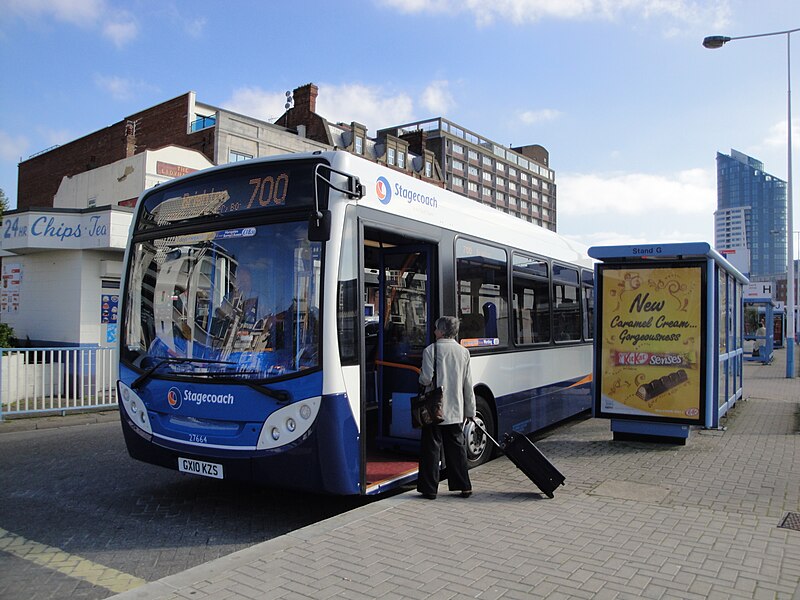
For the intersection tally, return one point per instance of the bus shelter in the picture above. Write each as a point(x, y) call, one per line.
point(668, 350)
point(762, 323)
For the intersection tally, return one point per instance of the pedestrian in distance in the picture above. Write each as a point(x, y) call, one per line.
point(761, 335)
point(453, 375)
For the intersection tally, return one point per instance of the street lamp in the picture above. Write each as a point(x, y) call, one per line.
point(717, 41)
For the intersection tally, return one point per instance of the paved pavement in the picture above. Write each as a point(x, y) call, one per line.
point(634, 520)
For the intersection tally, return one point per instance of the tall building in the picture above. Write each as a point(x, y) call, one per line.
point(517, 181)
point(751, 215)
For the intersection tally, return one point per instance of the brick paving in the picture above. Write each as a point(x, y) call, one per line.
point(634, 520)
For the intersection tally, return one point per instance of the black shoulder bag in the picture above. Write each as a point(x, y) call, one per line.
point(427, 407)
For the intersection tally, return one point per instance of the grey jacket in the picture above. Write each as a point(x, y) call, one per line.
point(452, 373)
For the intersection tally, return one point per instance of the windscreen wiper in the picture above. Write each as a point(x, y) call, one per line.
point(279, 395)
point(174, 360)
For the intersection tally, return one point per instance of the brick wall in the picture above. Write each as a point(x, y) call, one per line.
point(161, 125)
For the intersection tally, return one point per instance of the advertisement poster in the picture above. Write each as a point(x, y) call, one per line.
point(9, 291)
point(109, 307)
point(649, 354)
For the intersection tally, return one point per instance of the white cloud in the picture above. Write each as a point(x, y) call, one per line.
point(121, 29)
point(688, 192)
point(119, 26)
point(372, 106)
point(121, 88)
point(12, 148)
point(78, 12)
point(631, 208)
point(257, 103)
point(532, 117)
point(714, 13)
point(437, 99)
point(195, 27)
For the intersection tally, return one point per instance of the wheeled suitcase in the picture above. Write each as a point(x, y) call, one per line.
point(528, 459)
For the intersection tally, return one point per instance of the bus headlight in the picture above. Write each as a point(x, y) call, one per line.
point(288, 424)
point(135, 408)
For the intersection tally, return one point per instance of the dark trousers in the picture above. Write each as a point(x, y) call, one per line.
point(451, 438)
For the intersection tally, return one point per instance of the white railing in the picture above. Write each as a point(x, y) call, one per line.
point(56, 380)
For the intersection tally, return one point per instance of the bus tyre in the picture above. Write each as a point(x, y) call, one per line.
point(479, 448)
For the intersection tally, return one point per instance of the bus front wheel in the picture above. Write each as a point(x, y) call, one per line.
point(479, 449)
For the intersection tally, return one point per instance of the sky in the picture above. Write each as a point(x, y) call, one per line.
point(630, 106)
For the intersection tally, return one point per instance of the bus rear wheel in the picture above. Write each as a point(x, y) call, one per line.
point(480, 449)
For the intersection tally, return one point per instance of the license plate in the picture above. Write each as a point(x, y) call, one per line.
point(198, 467)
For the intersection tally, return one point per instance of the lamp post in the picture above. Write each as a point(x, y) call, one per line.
point(717, 41)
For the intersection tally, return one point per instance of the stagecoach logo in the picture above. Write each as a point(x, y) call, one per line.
point(174, 398)
point(383, 190)
point(385, 193)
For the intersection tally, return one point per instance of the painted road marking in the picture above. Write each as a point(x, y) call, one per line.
point(68, 564)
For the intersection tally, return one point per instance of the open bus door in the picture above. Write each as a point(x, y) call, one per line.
point(398, 290)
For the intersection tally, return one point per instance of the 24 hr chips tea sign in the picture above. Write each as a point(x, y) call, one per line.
point(651, 325)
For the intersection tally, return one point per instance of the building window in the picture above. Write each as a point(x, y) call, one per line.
point(401, 160)
point(472, 155)
point(428, 168)
point(512, 172)
point(501, 167)
point(512, 186)
point(501, 182)
point(487, 191)
point(473, 171)
point(487, 176)
point(359, 145)
point(487, 161)
point(390, 156)
point(472, 186)
point(235, 156)
point(202, 122)
point(500, 196)
point(523, 176)
point(458, 165)
point(458, 149)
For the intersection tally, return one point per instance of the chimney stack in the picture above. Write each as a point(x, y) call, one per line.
point(305, 97)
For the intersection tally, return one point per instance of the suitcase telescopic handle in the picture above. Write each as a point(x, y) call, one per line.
point(486, 433)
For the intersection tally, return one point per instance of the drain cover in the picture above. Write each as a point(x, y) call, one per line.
point(791, 521)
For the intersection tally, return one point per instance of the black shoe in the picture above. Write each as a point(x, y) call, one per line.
point(466, 493)
point(429, 496)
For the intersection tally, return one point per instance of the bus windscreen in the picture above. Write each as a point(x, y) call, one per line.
point(238, 302)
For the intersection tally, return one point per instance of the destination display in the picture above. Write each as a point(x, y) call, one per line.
point(249, 187)
point(651, 342)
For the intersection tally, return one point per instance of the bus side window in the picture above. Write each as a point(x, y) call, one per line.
point(566, 304)
point(531, 299)
point(482, 284)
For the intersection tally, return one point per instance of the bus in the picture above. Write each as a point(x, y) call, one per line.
point(275, 311)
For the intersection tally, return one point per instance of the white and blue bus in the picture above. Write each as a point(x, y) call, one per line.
point(275, 312)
